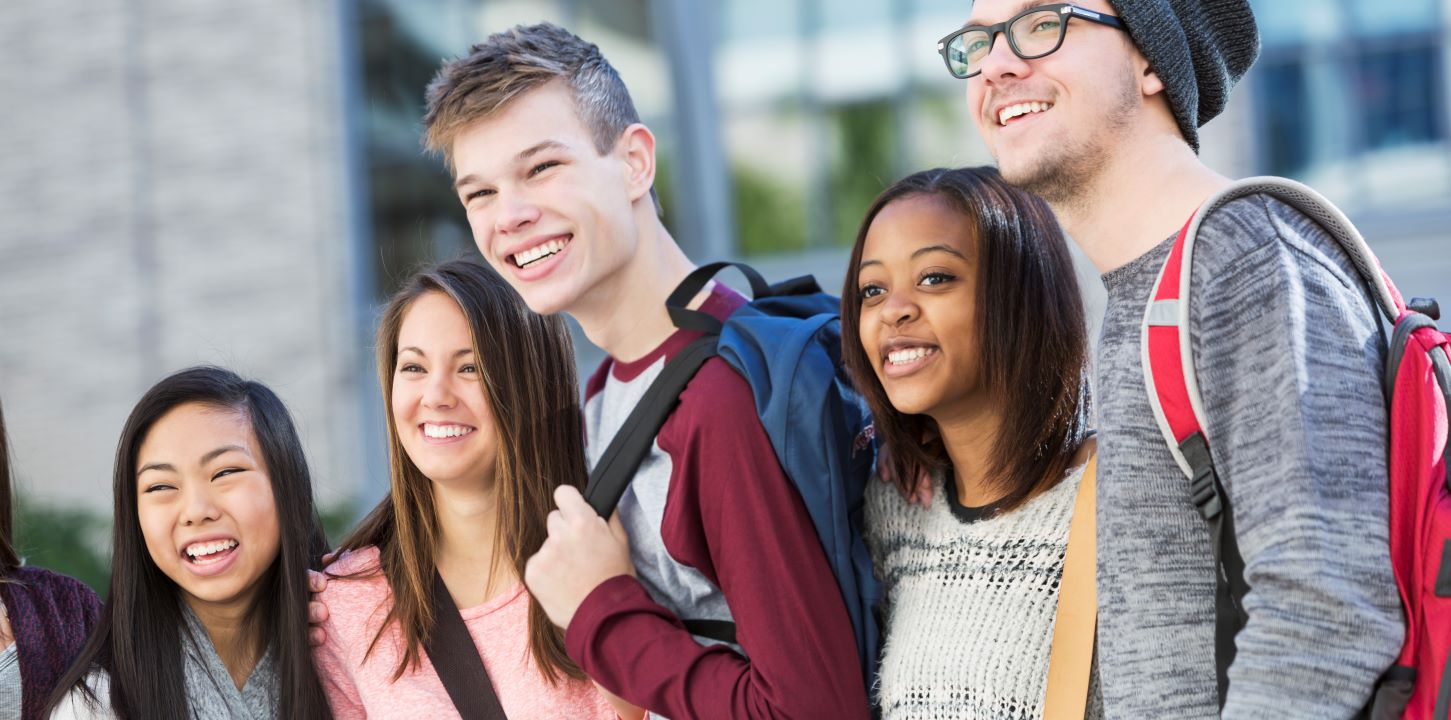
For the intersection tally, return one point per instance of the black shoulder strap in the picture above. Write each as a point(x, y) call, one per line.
point(1229, 584)
point(616, 468)
point(685, 318)
point(457, 661)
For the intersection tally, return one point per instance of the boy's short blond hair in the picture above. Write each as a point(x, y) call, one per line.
point(511, 63)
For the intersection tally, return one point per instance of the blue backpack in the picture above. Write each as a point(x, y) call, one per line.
point(786, 343)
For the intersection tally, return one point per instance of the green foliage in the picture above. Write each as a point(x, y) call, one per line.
point(70, 541)
point(863, 163)
point(770, 215)
point(337, 521)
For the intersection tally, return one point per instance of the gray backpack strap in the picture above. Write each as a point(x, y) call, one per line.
point(1316, 207)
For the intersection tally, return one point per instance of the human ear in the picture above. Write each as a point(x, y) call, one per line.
point(636, 147)
point(1149, 82)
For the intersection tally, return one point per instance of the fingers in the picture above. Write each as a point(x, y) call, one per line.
point(316, 636)
point(555, 524)
point(571, 503)
point(316, 581)
point(617, 528)
point(316, 613)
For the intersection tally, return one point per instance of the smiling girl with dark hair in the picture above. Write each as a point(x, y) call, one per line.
point(963, 327)
point(215, 530)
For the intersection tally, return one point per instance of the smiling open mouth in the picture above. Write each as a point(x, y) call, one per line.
point(907, 356)
point(439, 432)
point(1012, 112)
point(206, 553)
point(540, 252)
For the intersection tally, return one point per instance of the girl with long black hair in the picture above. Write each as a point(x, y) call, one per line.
point(215, 530)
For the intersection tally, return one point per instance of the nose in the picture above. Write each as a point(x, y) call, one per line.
point(1001, 62)
point(514, 214)
point(898, 309)
point(438, 391)
point(199, 504)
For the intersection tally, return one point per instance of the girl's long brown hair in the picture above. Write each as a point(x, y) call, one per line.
point(1030, 330)
point(527, 362)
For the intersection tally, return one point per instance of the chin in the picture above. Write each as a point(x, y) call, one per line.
point(550, 299)
point(909, 403)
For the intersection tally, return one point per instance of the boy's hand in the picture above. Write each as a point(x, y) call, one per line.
point(581, 552)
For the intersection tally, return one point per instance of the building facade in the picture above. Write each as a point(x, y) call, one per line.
point(243, 183)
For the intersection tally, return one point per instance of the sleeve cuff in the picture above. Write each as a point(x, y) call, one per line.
point(607, 598)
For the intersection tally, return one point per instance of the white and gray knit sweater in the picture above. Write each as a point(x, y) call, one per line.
point(969, 604)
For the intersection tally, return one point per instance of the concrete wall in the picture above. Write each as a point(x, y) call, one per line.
point(171, 193)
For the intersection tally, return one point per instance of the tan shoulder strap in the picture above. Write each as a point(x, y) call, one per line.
point(1071, 658)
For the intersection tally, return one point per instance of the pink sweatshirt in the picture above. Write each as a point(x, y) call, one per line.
point(359, 688)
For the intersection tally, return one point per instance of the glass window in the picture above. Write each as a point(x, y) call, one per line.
point(853, 14)
point(1284, 103)
point(1401, 16)
point(1398, 91)
point(752, 21)
point(1288, 22)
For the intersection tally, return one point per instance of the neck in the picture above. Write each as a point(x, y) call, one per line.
point(466, 552)
point(968, 437)
point(231, 634)
point(1111, 226)
point(625, 314)
point(466, 521)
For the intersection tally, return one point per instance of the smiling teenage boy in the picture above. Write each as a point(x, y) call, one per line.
point(1096, 108)
point(555, 172)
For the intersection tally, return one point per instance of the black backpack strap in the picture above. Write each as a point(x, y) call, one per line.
point(457, 661)
point(722, 630)
point(688, 319)
point(617, 466)
point(1229, 585)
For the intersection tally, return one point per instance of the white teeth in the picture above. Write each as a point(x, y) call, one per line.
point(538, 252)
point(1012, 111)
point(902, 357)
point(200, 550)
point(445, 431)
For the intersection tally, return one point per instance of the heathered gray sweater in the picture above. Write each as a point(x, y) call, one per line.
point(1289, 354)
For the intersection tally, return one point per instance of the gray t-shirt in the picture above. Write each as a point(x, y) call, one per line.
point(1289, 353)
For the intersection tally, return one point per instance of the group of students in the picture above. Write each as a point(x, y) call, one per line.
point(962, 328)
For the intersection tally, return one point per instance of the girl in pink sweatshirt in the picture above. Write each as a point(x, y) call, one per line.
point(483, 424)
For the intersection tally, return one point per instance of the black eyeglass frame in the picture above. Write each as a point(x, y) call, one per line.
point(1066, 10)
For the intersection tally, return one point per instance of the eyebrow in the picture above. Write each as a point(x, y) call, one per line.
point(524, 154)
point(937, 248)
point(457, 353)
point(918, 253)
point(210, 456)
point(1020, 8)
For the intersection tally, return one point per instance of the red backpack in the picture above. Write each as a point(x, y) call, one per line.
point(1418, 389)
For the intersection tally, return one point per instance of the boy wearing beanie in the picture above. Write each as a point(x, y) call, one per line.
point(1289, 352)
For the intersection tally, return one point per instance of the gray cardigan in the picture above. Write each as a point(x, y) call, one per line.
point(210, 692)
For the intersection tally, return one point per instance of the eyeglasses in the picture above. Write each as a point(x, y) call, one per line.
point(1032, 34)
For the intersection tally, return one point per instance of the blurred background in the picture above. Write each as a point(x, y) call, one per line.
point(186, 181)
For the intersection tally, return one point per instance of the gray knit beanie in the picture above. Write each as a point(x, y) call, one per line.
point(1198, 48)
